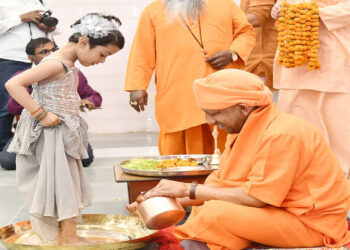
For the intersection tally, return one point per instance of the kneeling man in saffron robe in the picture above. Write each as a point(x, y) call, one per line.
point(278, 182)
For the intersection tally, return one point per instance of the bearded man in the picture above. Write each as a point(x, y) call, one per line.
point(183, 40)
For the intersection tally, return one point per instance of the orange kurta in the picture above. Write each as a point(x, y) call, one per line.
point(286, 163)
point(169, 49)
point(260, 61)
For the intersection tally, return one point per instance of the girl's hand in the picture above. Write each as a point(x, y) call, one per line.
point(50, 120)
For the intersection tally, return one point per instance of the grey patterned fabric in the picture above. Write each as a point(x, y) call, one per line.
point(50, 174)
point(53, 184)
point(61, 98)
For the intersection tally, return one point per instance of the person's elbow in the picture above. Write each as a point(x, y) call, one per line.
point(250, 200)
point(9, 85)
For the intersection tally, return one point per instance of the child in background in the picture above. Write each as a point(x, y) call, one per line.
point(51, 137)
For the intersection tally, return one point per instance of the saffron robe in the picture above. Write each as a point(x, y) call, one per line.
point(261, 59)
point(195, 140)
point(285, 162)
point(169, 48)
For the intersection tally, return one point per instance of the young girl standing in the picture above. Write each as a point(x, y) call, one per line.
point(51, 138)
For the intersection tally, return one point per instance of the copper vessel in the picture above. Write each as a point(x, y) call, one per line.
point(160, 212)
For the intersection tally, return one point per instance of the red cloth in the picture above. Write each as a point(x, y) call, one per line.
point(166, 239)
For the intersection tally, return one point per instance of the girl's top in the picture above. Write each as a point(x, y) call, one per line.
point(61, 98)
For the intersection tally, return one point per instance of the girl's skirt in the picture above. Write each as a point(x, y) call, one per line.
point(53, 184)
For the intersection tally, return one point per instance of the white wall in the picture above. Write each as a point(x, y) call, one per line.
point(116, 115)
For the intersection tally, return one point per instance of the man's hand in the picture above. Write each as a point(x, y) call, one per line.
point(32, 16)
point(35, 17)
point(138, 99)
point(50, 120)
point(220, 59)
point(86, 103)
point(132, 208)
point(276, 9)
point(253, 20)
point(169, 189)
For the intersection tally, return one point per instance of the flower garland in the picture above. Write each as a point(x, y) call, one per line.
point(298, 42)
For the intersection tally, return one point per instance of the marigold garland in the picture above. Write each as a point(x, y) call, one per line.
point(298, 42)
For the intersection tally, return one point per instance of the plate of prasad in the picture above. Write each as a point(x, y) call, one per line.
point(100, 231)
point(168, 165)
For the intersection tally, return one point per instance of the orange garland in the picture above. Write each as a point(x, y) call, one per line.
point(298, 43)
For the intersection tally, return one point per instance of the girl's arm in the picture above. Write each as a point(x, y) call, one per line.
point(17, 87)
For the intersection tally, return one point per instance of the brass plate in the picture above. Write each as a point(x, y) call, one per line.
point(114, 231)
point(203, 167)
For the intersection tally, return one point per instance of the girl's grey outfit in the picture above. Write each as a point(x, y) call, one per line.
point(50, 175)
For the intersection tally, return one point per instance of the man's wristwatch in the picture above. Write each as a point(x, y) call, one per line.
point(234, 55)
point(192, 195)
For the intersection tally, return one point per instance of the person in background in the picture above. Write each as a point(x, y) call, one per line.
point(322, 96)
point(19, 23)
point(37, 49)
point(183, 40)
point(278, 183)
point(260, 61)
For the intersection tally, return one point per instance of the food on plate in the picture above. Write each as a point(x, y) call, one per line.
point(153, 165)
point(179, 162)
point(142, 164)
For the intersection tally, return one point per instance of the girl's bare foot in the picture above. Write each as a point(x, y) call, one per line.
point(68, 234)
point(75, 241)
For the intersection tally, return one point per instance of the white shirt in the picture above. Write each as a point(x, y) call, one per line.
point(14, 34)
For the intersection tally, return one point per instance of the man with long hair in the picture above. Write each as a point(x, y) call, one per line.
point(183, 40)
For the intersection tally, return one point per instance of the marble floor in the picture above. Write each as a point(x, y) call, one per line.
point(110, 197)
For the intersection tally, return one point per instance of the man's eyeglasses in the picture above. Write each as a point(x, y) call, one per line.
point(46, 51)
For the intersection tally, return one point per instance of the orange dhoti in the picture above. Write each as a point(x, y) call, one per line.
point(328, 112)
point(195, 140)
point(226, 225)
